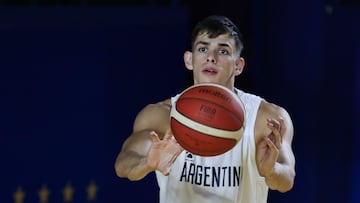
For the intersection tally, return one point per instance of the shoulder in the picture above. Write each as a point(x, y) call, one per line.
point(269, 110)
point(159, 107)
point(153, 116)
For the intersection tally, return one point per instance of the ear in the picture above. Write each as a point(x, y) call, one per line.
point(239, 66)
point(188, 60)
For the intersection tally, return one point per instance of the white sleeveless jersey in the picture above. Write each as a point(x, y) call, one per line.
point(229, 177)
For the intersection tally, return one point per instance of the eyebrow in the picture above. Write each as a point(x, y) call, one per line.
point(201, 42)
point(207, 43)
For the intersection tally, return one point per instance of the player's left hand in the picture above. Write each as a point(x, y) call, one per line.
point(269, 147)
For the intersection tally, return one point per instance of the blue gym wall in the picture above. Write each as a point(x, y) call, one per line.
point(73, 79)
point(306, 59)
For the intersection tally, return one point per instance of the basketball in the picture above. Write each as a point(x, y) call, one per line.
point(207, 119)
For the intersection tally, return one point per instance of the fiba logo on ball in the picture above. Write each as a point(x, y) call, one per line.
point(207, 112)
point(207, 119)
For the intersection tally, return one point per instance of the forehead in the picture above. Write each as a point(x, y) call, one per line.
point(220, 39)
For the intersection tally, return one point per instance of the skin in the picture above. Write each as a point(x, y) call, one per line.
point(151, 146)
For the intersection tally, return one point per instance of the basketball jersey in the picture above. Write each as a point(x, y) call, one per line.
point(231, 177)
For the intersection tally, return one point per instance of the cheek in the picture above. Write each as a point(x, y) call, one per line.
point(229, 68)
point(228, 65)
point(198, 57)
point(197, 62)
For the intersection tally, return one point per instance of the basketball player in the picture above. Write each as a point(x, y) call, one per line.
point(262, 159)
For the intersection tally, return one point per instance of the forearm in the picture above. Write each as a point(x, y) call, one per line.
point(281, 178)
point(132, 166)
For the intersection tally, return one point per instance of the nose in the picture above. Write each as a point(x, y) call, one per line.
point(211, 58)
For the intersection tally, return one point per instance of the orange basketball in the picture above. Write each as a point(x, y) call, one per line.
point(207, 119)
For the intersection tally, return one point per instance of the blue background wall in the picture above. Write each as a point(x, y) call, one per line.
point(73, 79)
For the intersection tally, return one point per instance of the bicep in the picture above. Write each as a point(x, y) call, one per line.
point(154, 117)
point(268, 110)
point(286, 153)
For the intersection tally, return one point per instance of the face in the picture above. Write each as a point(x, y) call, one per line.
point(214, 60)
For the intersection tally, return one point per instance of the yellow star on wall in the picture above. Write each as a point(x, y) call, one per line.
point(44, 193)
point(68, 193)
point(19, 195)
point(91, 191)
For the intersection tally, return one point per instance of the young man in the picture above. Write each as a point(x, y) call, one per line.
point(262, 159)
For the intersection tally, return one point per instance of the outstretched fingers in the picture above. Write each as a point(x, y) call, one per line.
point(154, 137)
point(164, 151)
point(168, 135)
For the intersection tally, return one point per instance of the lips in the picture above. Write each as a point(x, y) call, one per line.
point(210, 70)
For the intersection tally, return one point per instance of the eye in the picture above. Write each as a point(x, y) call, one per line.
point(202, 49)
point(224, 51)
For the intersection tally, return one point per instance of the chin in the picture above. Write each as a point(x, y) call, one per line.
point(207, 80)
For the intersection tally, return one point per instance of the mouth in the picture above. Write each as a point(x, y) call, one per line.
point(210, 71)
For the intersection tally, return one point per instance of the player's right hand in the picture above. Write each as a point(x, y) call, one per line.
point(163, 152)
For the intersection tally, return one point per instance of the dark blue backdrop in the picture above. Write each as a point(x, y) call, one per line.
point(307, 57)
point(73, 79)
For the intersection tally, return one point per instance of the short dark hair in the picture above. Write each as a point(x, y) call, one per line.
point(216, 25)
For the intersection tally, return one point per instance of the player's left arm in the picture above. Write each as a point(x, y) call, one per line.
point(275, 158)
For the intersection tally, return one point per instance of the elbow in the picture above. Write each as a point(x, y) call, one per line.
point(124, 171)
point(289, 184)
point(286, 188)
point(284, 184)
point(120, 171)
point(132, 166)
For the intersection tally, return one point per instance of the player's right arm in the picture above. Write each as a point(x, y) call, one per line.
point(148, 147)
